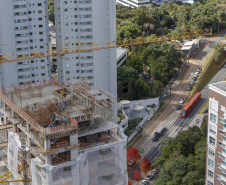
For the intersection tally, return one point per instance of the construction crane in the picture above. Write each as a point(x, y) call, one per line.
point(83, 48)
point(101, 45)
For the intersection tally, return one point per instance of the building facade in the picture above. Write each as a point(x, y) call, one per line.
point(69, 135)
point(216, 143)
point(84, 22)
point(24, 24)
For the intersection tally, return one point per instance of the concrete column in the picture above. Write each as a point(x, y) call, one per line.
point(74, 151)
point(47, 144)
point(28, 142)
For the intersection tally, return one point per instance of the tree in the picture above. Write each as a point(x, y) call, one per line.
point(133, 155)
point(135, 62)
point(145, 165)
point(142, 88)
point(51, 10)
point(124, 74)
point(130, 182)
point(136, 175)
point(131, 89)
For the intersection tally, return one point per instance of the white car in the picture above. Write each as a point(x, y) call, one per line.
point(144, 182)
point(197, 73)
point(192, 82)
point(181, 101)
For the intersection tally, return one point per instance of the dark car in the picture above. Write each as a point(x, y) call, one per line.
point(205, 111)
point(194, 78)
point(150, 176)
point(189, 87)
point(145, 75)
point(178, 107)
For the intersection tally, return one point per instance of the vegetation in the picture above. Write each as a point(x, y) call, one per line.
point(183, 158)
point(130, 182)
point(136, 175)
point(51, 11)
point(133, 155)
point(160, 61)
point(145, 165)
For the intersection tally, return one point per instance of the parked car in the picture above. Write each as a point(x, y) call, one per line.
point(205, 111)
point(178, 107)
point(198, 70)
point(195, 75)
point(181, 101)
point(154, 171)
point(189, 87)
point(131, 163)
point(145, 75)
point(150, 176)
point(144, 182)
point(194, 78)
point(192, 82)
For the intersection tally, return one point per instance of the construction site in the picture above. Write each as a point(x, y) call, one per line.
point(60, 135)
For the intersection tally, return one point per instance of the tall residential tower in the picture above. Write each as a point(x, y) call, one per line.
point(24, 24)
point(216, 140)
point(83, 22)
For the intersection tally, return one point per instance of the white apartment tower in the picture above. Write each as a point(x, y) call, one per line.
point(83, 22)
point(24, 24)
point(216, 139)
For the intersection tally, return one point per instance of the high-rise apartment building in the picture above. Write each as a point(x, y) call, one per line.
point(23, 24)
point(216, 141)
point(83, 22)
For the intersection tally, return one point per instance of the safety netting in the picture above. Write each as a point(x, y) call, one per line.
point(103, 165)
point(12, 156)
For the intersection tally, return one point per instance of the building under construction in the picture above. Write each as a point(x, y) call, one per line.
point(57, 135)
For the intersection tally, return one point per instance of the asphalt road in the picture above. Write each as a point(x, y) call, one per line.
point(184, 122)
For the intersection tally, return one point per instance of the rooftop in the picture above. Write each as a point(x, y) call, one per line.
point(219, 87)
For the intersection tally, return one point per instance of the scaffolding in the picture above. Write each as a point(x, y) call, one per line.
point(64, 128)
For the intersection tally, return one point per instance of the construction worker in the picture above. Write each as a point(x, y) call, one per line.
point(35, 105)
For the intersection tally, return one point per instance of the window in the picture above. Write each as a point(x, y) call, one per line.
point(219, 166)
point(67, 72)
point(42, 74)
point(40, 11)
point(42, 67)
point(213, 105)
point(223, 120)
point(210, 162)
point(211, 152)
point(39, 4)
point(210, 173)
point(67, 65)
point(40, 18)
point(213, 117)
point(209, 183)
point(40, 33)
point(211, 140)
point(213, 129)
